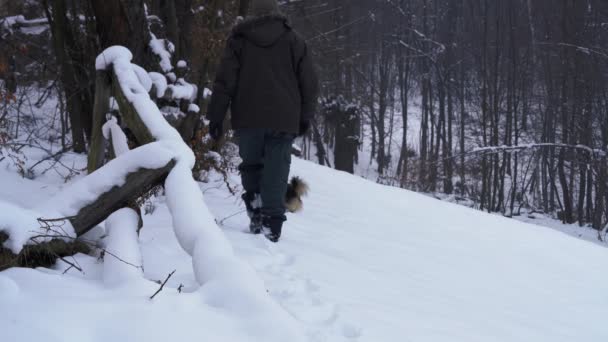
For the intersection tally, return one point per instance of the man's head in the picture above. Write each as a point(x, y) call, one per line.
point(264, 7)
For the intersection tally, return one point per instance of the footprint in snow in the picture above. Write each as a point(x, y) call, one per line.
point(301, 297)
point(350, 331)
point(286, 260)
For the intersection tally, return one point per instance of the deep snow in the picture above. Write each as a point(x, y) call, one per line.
point(363, 262)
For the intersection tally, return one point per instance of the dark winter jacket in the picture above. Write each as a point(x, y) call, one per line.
point(267, 76)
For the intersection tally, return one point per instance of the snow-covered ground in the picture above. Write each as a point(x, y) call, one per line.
point(363, 262)
point(586, 233)
point(368, 169)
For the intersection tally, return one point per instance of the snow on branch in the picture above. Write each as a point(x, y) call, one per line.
point(119, 59)
point(582, 49)
point(517, 148)
point(194, 108)
point(440, 47)
point(163, 49)
point(113, 133)
point(144, 78)
point(182, 90)
point(85, 191)
point(596, 154)
point(111, 54)
point(159, 84)
point(18, 22)
point(421, 53)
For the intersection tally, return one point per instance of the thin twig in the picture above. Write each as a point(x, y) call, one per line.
point(72, 264)
point(105, 251)
point(67, 269)
point(64, 235)
point(162, 285)
point(221, 222)
point(62, 219)
point(53, 156)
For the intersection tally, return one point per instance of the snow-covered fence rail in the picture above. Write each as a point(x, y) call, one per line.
point(118, 195)
point(226, 281)
point(120, 182)
point(122, 227)
point(37, 237)
point(116, 185)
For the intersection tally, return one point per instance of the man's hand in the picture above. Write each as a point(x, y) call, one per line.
point(304, 128)
point(216, 130)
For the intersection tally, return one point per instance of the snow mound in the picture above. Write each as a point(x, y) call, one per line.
point(122, 240)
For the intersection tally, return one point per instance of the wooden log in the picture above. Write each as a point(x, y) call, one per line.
point(100, 109)
point(45, 254)
point(39, 255)
point(136, 185)
point(119, 146)
point(130, 116)
point(189, 124)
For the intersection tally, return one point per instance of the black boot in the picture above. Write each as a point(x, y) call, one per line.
point(273, 227)
point(253, 203)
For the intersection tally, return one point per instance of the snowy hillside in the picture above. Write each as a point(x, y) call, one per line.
point(363, 262)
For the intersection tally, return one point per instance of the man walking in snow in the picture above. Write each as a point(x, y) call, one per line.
point(266, 76)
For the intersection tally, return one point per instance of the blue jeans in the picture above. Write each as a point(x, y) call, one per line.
point(265, 168)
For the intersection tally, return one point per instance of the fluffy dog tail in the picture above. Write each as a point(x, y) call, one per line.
point(296, 189)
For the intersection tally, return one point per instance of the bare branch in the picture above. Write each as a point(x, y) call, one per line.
point(163, 285)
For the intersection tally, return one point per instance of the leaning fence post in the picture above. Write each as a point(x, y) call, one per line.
point(101, 107)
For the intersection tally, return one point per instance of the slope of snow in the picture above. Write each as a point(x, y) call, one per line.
point(375, 263)
point(363, 262)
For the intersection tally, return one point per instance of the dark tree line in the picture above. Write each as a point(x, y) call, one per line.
point(471, 80)
point(504, 103)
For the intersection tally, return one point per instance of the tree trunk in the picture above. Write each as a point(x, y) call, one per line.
point(404, 75)
point(124, 23)
point(243, 8)
point(101, 108)
point(567, 214)
point(58, 22)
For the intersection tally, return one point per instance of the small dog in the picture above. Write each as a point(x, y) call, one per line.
point(296, 189)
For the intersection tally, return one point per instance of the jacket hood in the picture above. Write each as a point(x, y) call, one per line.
point(263, 31)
